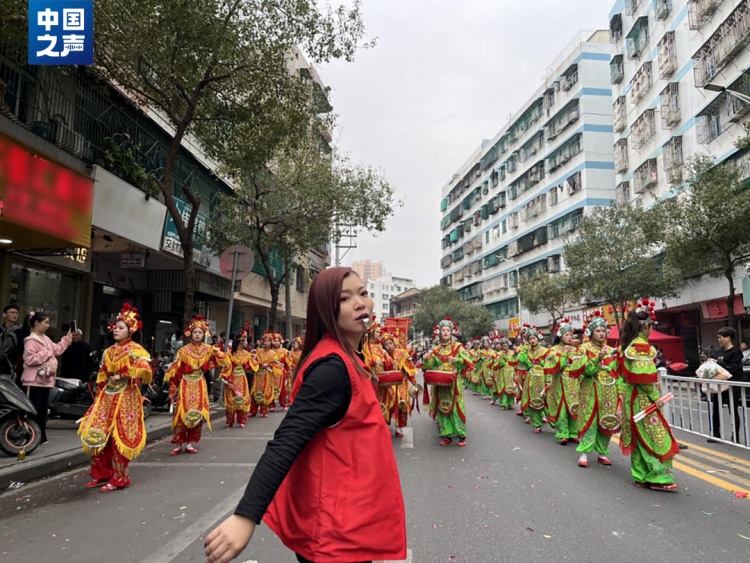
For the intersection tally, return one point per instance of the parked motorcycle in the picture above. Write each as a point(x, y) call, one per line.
point(69, 399)
point(18, 431)
point(157, 392)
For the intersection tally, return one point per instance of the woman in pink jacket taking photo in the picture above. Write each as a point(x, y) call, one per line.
point(40, 366)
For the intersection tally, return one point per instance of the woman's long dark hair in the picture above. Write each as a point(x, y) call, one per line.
point(323, 308)
point(29, 322)
point(630, 328)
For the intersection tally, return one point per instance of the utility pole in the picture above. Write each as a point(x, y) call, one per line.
point(347, 241)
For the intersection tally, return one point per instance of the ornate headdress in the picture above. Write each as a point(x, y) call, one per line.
point(267, 335)
point(532, 331)
point(277, 336)
point(563, 326)
point(198, 322)
point(129, 315)
point(485, 339)
point(646, 306)
point(449, 323)
point(385, 335)
point(245, 332)
point(595, 321)
point(298, 340)
point(503, 340)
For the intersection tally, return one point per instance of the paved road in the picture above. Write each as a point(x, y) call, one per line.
point(510, 495)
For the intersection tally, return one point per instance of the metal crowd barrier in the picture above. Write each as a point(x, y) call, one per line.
point(693, 411)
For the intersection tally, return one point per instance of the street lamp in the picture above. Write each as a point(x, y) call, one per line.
point(716, 88)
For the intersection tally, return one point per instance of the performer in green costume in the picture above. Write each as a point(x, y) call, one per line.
point(597, 411)
point(650, 442)
point(532, 359)
point(505, 375)
point(473, 372)
point(485, 368)
point(562, 398)
point(447, 402)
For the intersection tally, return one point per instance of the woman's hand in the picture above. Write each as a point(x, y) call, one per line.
point(659, 403)
point(228, 540)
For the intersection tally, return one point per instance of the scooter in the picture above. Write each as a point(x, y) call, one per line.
point(157, 392)
point(18, 431)
point(69, 399)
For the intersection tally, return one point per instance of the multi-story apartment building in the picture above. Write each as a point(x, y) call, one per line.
point(669, 58)
point(383, 289)
point(368, 270)
point(507, 211)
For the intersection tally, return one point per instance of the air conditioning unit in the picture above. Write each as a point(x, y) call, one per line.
point(69, 140)
point(485, 191)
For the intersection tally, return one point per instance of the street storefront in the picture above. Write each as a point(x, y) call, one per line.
point(45, 230)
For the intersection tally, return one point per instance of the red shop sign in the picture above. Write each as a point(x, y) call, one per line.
point(43, 196)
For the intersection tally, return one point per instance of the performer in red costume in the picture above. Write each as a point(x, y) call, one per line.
point(186, 379)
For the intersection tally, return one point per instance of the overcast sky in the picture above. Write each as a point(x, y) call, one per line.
point(444, 75)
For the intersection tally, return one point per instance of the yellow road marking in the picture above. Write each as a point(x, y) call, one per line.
point(704, 467)
point(716, 454)
point(721, 483)
point(708, 478)
point(713, 459)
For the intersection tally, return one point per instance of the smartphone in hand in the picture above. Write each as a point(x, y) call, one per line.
point(73, 326)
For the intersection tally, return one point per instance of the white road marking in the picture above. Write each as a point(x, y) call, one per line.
point(190, 534)
point(407, 560)
point(408, 440)
point(187, 464)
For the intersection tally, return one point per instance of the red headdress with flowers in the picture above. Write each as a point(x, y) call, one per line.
point(129, 315)
point(649, 307)
point(267, 335)
point(198, 322)
point(245, 332)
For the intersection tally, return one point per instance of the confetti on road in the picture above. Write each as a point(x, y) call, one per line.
point(707, 513)
point(546, 536)
point(740, 494)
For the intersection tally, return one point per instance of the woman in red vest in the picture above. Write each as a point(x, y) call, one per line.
point(305, 487)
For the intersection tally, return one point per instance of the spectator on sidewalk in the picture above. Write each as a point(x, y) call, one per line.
point(10, 340)
point(730, 358)
point(75, 363)
point(745, 350)
point(40, 366)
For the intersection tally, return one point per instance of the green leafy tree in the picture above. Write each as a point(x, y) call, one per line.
point(706, 228)
point(615, 257)
point(439, 302)
point(219, 69)
point(297, 203)
point(549, 293)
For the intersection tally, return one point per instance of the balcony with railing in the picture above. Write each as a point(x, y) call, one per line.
point(724, 44)
point(645, 176)
point(615, 28)
point(671, 114)
point(700, 12)
point(569, 78)
point(631, 7)
point(563, 119)
point(90, 119)
point(621, 156)
point(616, 69)
point(667, 56)
point(637, 39)
point(622, 193)
point(725, 110)
point(662, 8)
point(673, 160)
point(563, 154)
point(641, 83)
point(644, 128)
point(620, 114)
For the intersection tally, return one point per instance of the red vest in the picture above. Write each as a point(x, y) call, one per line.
point(341, 501)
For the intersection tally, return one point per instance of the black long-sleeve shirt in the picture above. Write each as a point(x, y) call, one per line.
point(731, 360)
point(322, 401)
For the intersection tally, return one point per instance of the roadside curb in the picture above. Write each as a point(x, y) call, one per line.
point(35, 468)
